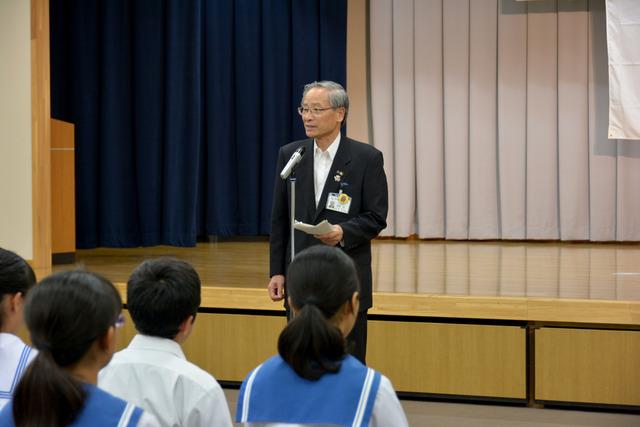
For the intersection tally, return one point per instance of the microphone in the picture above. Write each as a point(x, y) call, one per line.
point(292, 163)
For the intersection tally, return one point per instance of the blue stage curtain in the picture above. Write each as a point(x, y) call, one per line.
point(181, 106)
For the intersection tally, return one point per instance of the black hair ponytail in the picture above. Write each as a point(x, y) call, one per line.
point(310, 344)
point(319, 281)
point(47, 395)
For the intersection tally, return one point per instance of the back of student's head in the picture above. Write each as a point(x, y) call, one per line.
point(66, 313)
point(161, 294)
point(16, 276)
point(320, 280)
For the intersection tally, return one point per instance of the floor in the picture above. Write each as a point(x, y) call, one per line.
point(588, 271)
point(439, 414)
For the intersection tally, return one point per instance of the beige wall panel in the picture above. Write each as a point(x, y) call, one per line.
point(357, 82)
point(228, 346)
point(587, 366)
point(15, 121)
point(473, 360)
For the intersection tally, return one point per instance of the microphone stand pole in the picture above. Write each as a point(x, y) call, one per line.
point(292, 180)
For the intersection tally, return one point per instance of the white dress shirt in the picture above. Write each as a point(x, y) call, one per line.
point(387, 410)
point(15, 356)
point(154, 374)
point(322, 161)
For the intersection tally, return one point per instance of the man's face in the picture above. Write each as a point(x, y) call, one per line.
point(325, 123)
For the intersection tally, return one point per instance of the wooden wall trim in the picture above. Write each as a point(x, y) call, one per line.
point(63, 201)
point(41, 133)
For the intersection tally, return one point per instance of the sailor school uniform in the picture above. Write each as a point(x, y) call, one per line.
point(345, 398)
point(15, 356)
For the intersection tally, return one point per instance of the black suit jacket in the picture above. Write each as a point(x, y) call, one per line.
point(362, 178)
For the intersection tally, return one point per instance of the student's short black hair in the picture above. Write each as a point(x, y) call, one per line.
point(161, 294)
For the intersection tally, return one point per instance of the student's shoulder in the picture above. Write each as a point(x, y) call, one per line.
point(98, 396)
point(272, 364)
point(6, 415)
point(198, 376)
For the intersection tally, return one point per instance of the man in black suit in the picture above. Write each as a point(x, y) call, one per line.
point(338, 179)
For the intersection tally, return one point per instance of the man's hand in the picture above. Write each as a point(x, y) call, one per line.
point(276, 287)
point(332, 238)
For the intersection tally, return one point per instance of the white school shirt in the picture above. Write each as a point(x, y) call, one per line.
point(153, 373)
point(322, 161)
point(15, 356)
point(387, 410)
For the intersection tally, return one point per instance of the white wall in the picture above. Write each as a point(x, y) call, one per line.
point(16, 230)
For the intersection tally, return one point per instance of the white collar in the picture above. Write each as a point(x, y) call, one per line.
point(146, 342)
point(9, 339)
point(332, 150)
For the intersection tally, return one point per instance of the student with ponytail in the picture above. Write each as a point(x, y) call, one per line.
point(72, 318)
point(314, 380)
point(16, 278)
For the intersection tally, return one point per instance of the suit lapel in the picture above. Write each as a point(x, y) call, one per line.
point(340, 162)
point(304, 183)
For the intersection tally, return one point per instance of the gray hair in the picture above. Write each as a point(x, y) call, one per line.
point(337, 95)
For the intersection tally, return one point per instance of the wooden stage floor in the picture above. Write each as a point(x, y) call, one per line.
point(500, 280)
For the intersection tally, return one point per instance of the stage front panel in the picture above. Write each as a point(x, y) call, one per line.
point(228, 346)
point(455, 359)
point(587, 366)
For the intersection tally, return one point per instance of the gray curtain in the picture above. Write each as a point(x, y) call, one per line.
point(492, 116)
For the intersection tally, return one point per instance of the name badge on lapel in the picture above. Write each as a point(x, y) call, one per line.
point(339, 202)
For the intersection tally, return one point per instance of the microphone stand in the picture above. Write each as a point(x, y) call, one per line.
point(292, 180)
point(290, 169)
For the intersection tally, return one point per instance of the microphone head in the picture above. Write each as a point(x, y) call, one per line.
point(291, 164)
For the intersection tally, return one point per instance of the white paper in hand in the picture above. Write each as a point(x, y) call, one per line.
point(321, 228)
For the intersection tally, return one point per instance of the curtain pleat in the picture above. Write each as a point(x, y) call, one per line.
point(455, 40)
point(429, 149)
point(382, 113)
point(573, 119)
point(483, 177)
